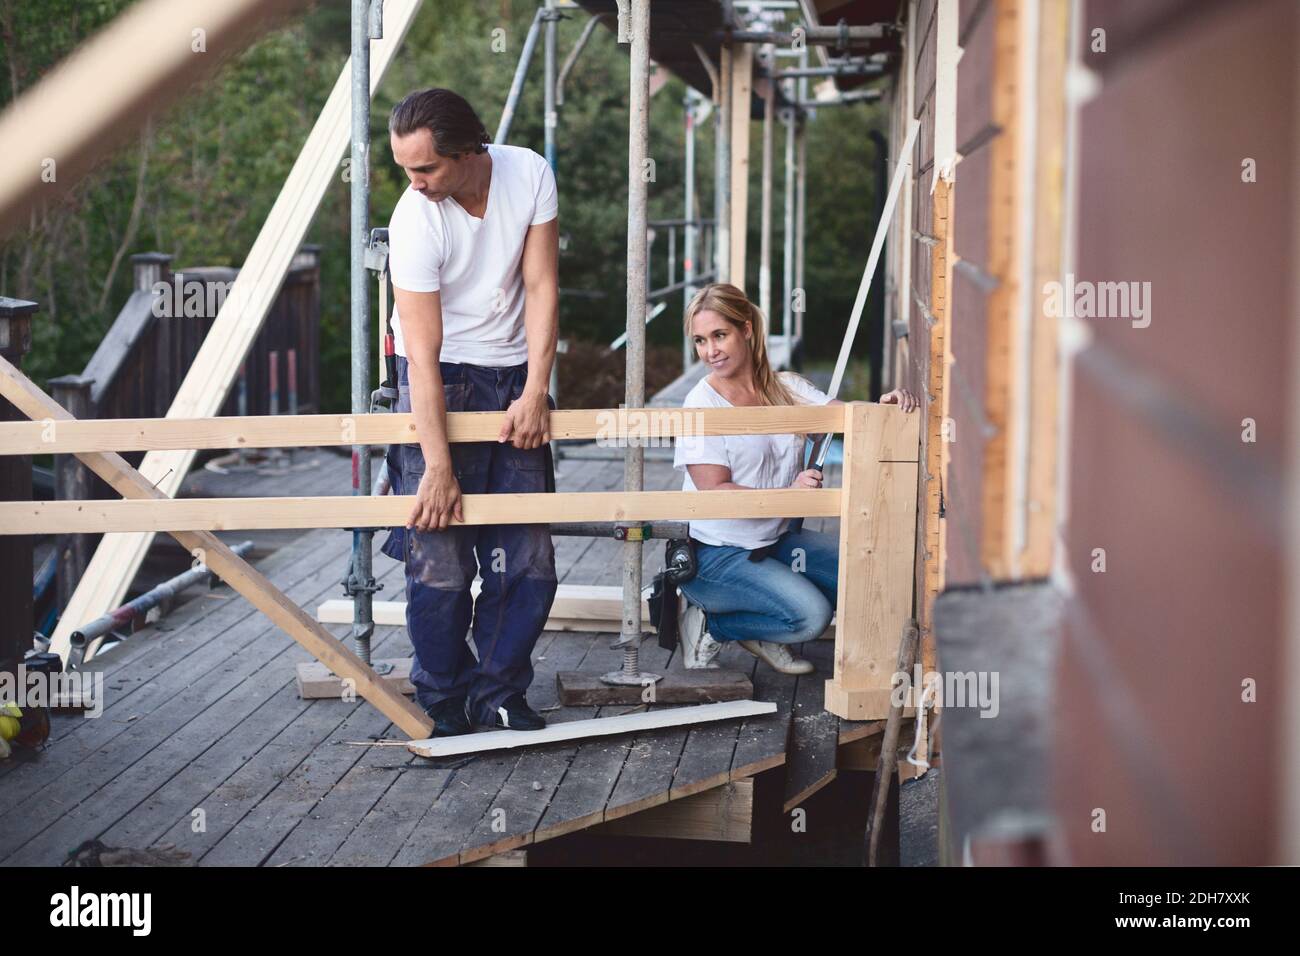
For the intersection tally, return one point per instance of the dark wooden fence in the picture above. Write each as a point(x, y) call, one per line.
point(145, 355)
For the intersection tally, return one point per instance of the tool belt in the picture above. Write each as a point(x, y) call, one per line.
point(679, 565)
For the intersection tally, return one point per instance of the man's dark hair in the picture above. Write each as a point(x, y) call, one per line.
point(455, 126)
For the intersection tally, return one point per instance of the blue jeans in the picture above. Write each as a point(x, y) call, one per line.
point(517, 562)
point(788, 597)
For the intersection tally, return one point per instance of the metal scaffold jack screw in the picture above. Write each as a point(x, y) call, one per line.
point(356, 584)
point(631, 675)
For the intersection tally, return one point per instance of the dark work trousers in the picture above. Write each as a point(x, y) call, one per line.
point(517, 562)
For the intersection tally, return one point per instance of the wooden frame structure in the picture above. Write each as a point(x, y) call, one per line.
point(236, 572)
point(876, 508)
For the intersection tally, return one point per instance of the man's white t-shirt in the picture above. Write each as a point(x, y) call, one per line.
point(474, 263)
point(756, 461)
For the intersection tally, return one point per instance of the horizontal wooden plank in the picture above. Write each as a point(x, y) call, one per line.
point(573, 602)
point(679, 686)
point(230, 514)
point(580, 729)
point(318, 682)
point(285, 431)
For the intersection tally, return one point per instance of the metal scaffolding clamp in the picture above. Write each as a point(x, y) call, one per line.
point(377, 250)
point(353, 583)
point(842, 44)
point(383, 398)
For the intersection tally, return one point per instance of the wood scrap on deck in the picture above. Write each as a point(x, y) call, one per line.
point(578, 729)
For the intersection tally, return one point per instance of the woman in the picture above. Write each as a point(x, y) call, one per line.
point(759, 581)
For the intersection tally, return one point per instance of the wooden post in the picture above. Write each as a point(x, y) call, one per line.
point(151, 268)
point(742, 83)
point(71, 483)
point(877, 549)
point(15, 485)
point(307, 309)
point(932, 557)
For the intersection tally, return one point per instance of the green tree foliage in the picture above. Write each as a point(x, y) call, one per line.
point(200, 181)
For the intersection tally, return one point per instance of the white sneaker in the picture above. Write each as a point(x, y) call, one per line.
point(699, 650)
point(779, 656)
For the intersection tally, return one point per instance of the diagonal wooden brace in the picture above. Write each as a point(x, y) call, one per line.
point(232, 569)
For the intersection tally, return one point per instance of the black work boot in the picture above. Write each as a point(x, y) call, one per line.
point(449, 717)
point(515, 714)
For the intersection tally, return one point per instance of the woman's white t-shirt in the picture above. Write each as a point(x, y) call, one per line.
point(474, 263)
point(756, 461)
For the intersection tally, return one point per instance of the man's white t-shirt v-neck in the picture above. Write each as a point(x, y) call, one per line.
point(474, 263)
point(756, 461)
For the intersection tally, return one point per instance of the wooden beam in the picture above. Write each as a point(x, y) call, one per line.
point(512, 858)
point(340, 511)
point(574, 603)
point(851, 731)
point(232, 569)
point(864, 755)
point(860, 754)
point(934, 474)
point(240, 318)
point(393, 614)
point(110, 86)
point(317, 682)
point(724, 814)
point(288, 431)
point(877, 554)
point(679, 686)
point(583, 729)
point(1003, 385)
point(742, 85)
point(1048, 194)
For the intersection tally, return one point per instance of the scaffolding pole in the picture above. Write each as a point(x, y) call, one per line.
point(787, 232)
point(800, 197)
point(360, 581)
point(722, 169)
point(688, 261)
point(765, 209)
point(549, 83)
point(637, 273)
point(517, 83)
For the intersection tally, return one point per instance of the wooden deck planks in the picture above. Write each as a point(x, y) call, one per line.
point(761, 741)
point(117, 778)
point(814, 732)
point(709, 750)
point(646, 778)
point(130, 728)
point(513, 816)
point(278, 786)
point(193, 786)
point(325, 830)
point(143, 657)
point(387, 827)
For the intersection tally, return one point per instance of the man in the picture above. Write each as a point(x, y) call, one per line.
point(474, 249)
